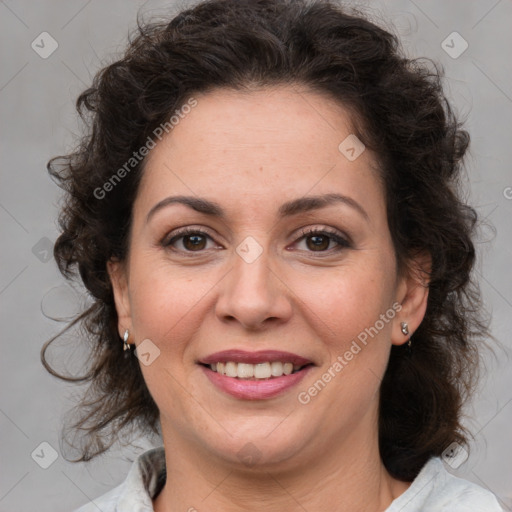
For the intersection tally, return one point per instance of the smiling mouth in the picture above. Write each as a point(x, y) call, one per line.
point(260, 371)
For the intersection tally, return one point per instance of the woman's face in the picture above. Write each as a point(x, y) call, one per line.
point(277, 258)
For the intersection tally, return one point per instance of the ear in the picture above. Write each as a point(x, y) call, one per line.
point(412, 294)
point(119, 279)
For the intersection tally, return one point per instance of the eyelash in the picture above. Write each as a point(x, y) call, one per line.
point(343, 243)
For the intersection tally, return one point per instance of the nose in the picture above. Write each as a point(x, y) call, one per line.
point(253, 295)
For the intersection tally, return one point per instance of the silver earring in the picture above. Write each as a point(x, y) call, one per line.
point(405, 331)
point(126, 345)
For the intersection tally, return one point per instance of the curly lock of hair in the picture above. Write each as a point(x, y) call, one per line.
point(399, 111)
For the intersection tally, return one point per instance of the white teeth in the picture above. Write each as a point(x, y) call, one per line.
point(256, 371)
point(231, 369)
point(276, 368)
point(245, 371)
point(262, 371)
point(287, 368)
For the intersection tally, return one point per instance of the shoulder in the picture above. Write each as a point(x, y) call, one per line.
point(437, 490)
point(106, 503)
point(144, 481)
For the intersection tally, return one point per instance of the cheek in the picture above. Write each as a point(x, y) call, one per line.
point(164, 302)
point(165, 305)
point(344, 302)
point(345, 310)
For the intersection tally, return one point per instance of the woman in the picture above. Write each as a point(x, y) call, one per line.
point(266, 213)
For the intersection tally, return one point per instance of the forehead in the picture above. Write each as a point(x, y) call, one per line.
point(264, 118)
point(276, 142)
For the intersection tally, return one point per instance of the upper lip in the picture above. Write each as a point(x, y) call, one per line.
point(261, 356)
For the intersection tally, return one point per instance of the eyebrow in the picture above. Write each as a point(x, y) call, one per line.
point(294, 207)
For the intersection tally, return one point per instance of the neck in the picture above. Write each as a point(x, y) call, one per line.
point(346, 477)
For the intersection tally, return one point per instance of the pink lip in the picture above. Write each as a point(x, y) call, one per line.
point(246, 389)
point(262, 356)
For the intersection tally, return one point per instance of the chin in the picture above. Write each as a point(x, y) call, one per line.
point(262, 447)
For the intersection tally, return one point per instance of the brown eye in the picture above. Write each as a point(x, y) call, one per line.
point(189, 240)
point(194, 242)
point(318, 242)
point(322, 241)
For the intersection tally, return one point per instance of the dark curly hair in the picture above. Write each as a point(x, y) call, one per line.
point(399, 111)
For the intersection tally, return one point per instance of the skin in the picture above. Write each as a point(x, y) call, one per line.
point(250, 152)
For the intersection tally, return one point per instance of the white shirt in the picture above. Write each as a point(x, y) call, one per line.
point(433, 490)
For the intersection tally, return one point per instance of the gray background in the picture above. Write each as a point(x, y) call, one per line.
point(38, 121)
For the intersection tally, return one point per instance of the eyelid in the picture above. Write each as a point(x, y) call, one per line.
point(187, 230)
point(343, 240)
